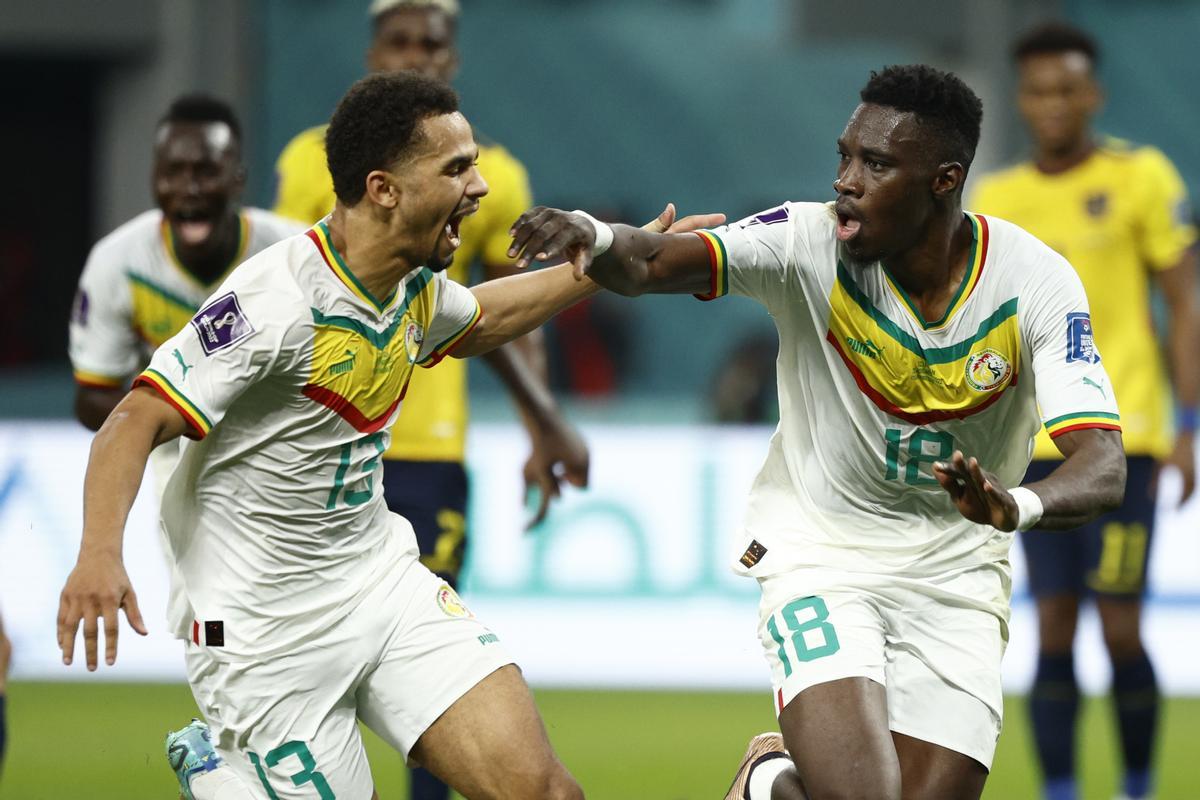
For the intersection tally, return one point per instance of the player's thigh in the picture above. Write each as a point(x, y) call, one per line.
point(491, 743)
point(943, 674)
point(287, 725)
point(826, 650)
point(1118, 544)
point(837, 735)
point(446, 694)
point(432, 496)
point(932, 772)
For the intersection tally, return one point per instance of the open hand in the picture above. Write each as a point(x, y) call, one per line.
point(977, 494)
point(95, 589)
point(550, 234)
point(558, 454)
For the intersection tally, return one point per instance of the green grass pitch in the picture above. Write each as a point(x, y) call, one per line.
point(102, 741)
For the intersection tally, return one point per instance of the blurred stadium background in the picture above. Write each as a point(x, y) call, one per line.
point(620, 607)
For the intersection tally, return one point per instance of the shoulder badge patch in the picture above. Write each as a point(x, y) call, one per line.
point(79, 309)
point(1081, 345)
point(221, 324)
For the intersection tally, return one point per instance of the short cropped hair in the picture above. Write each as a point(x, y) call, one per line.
point(1053, 38)
point(377, 123)
point(202, 108)
point(940, 100)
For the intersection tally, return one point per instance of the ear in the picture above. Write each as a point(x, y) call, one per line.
point(948, 178)
point(382, 189)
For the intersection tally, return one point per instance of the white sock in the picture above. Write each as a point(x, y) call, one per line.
point(762, 777)
point(220, 784)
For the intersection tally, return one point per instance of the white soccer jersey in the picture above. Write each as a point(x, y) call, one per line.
point(871, 394)
point(134, 293)
point(290, 376)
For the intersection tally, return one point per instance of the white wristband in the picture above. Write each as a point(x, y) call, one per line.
point(1029, 507)
point(604, 233)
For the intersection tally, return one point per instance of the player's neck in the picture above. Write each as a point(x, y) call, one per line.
point(368, 250)
point(1053, 161)
point(931, 271)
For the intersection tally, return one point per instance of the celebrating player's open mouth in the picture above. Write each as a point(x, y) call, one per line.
point(191, 226)
point(848, 221)
point(451, 229)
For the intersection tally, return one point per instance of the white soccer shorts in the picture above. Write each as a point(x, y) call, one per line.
point(288, 725)
point(934, 644)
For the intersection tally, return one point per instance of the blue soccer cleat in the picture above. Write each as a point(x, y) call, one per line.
point(190, 751)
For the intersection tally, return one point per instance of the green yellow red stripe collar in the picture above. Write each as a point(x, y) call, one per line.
point(168, 240)
point(970, 279)
point(319, 233)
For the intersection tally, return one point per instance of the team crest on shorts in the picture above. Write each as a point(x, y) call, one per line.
point(449, 601)
point(987, 370)
point(414, 337)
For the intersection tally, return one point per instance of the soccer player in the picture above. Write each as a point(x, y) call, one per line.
point(307, 608)
point(1119, 213)
point(917, 343)
point(424, 475)
point(144, 281)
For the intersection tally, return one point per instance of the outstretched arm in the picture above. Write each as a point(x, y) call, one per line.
point(659, 262)
point(1090, 482)
point(638, 261)
point(98, 585)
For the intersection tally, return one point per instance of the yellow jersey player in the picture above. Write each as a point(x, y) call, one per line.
point(918, 346)
point(425, 479)
point(1119, 213)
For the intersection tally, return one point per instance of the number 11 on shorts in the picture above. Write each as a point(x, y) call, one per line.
point(812, 635)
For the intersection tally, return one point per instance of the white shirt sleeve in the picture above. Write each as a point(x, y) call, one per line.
point(1073, 390)
point(103, 346)
point(456, 313)
point(752, 257)
point(235, 340)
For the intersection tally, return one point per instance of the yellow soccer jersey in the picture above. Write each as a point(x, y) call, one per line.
point(1117, 217)
point(433, 421)
point(134, 293)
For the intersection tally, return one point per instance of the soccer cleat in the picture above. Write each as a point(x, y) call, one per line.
point(190, 751)
point(762, 747)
